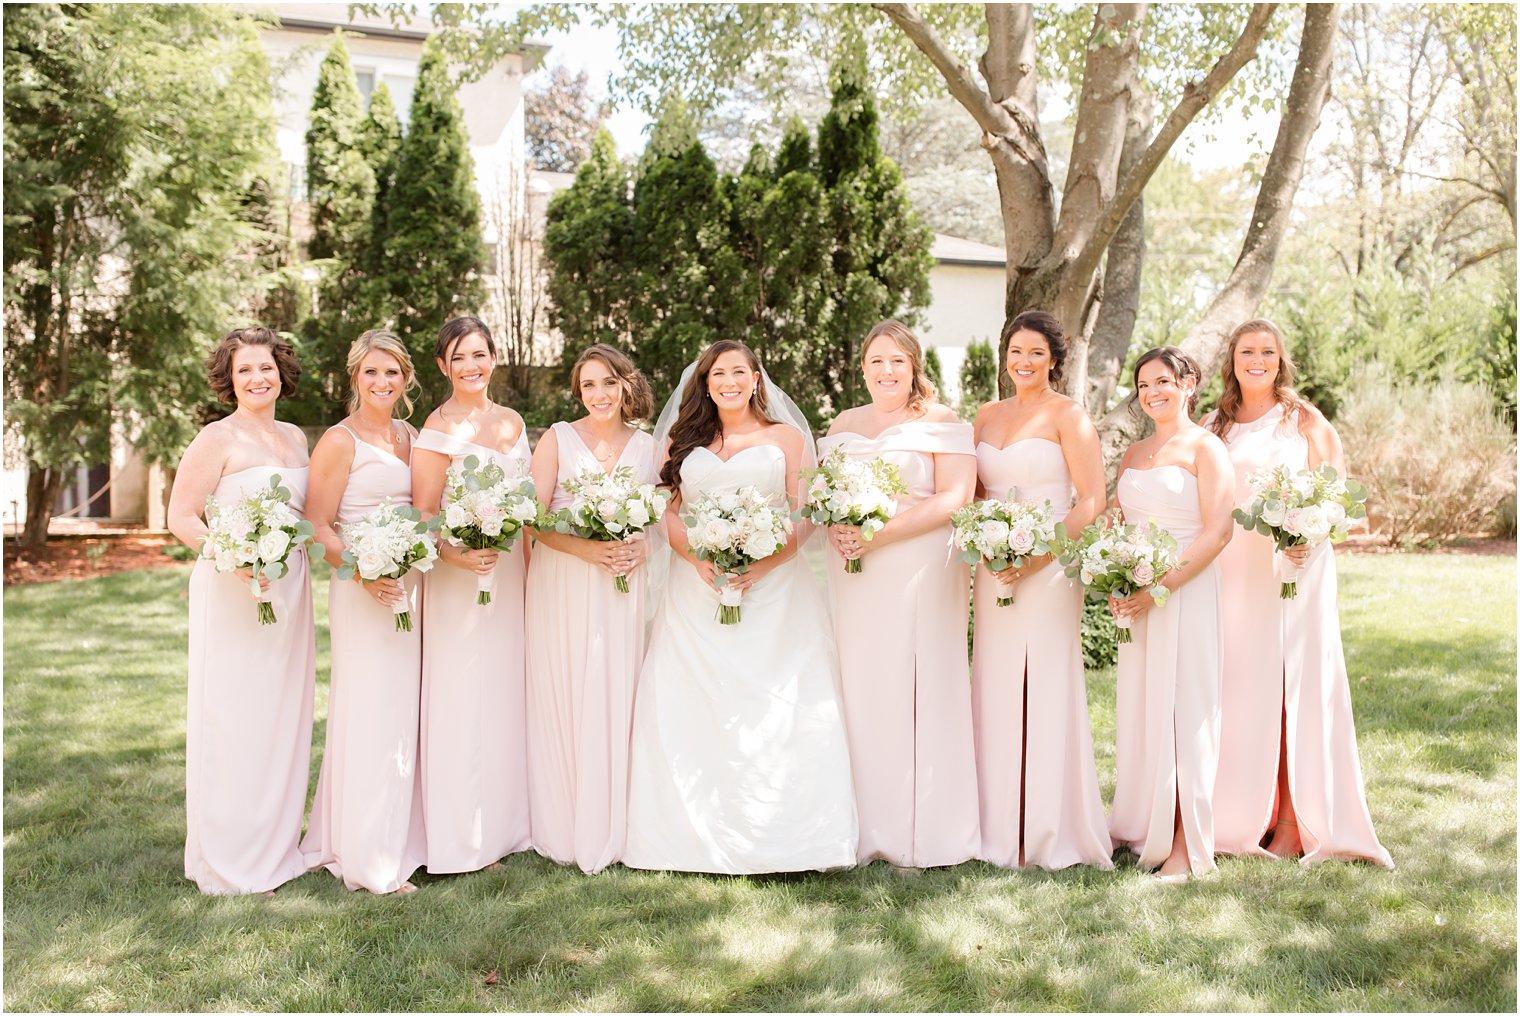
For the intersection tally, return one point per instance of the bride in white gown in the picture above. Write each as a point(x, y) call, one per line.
point(739, 761)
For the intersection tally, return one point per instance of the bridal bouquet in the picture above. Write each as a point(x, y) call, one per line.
point(484, 509)
point(386, 544)
point(852, 492)
point(1120, 561)
point(259, 533)
point(1005, 534)
point(1306, 506)
point(609, 508)
point(733, 530)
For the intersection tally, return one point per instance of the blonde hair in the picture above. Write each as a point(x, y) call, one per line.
point(921, 390)
point(378, 339)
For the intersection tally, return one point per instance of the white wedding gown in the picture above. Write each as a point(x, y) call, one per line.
point(739, 761)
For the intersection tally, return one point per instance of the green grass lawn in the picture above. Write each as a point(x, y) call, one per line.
point(99, 916)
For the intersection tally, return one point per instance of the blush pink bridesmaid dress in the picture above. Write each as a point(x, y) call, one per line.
point(1167, 739)
point(248, 721)
point(474, 759)
point(1034, 753)
point(1284, 663)
point(366, 818)
point(900, 625)
point(585, 645)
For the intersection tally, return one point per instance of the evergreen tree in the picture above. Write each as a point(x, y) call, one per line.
point(433, 248)
point(340, 186)
point(880, 250)
point(978, 377)
point(380, 143)
point(588, 237)
point(935, 370)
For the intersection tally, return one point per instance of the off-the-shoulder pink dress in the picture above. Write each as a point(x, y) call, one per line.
point(1283, 663)
point(248, 721)
point(366, 819)
point(900, 625)
point(1039, 783)
point(1168, 710)
point(585, 645)
point(474, 759)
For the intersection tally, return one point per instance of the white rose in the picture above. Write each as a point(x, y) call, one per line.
point(524, 511)
point(273, 545)
point(1335, 515)
point(1313, 524)
point(371, 564)
point(1273, 513)
point(607, 509)
point(455, 516)
point(760, 545)
point(638, 515)
point(728, 502)
point(993, 533)
point(716, 534)
point(1021, 540)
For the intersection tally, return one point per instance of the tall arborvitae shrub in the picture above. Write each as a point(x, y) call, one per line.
point(433, 250)
point(978, 377)
point(380, 143)
point(936, 371)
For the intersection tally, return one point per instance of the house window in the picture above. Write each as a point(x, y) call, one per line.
point(366, 79)
point(401, 95)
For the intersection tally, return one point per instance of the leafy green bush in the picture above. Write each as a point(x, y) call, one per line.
point(1100, 637)
point(978, 377)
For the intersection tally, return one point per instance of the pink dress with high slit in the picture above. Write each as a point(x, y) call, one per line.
point(248, 721)
point(1284, 663)
point(900, 625)
point(585, 644)
point(1034, 753)
point(474, 760)
point(366, 818)
point(1167, 739)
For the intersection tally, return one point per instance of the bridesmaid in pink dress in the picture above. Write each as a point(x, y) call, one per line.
point(1168, 708)
point(248, 721)
point(1040, 803)
point(586, 639)
point(900, 623)
point(1288, 760)
point(474, 761)
point(366, 819)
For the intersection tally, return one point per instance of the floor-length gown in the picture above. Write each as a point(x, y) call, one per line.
point(248, 717)
point(366, 818)
point(474, 759)
point(900, 626)
point(1167, 741)
point(1039, 783)
point(585, 645)
point(1283, 663)
point(739, 761)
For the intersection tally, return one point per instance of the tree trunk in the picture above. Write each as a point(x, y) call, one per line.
point(42, 487)
point(1248, 281)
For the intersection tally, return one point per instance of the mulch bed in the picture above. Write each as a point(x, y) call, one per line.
point(88, 557)
point(84, 557)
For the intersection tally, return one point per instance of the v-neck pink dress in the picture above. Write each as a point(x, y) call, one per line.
point(474, 759)
point(900, 624)
point(248, 721)
point(1284, 663)
point(366, 819)
point(1034, 752)
point(585, 645)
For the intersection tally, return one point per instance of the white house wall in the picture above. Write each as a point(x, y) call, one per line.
point(965, 304)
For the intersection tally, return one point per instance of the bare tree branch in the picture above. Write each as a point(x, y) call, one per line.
point(990, 116)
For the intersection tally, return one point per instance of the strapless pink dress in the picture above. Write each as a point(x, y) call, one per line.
point(248, 721)
point(1168, 703)
point(900, 625)
point(1039, 783)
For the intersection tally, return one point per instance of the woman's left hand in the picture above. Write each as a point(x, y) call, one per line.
point(635, 551)
point(848, 541)
point(1132, 606)
point(1298, 554)
point(757, 571)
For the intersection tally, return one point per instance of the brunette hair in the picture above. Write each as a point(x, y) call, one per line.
point(921, 391)
point(697, 420)
point(456, 329)
point(1282, 386)
point(1175, 360)
point(638, 400)
point(385, 342)
point(1044, 323)
point(219, 361)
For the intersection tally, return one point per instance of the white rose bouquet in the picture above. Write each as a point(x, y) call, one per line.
point(1005, 534)
point(733, 531)
point(259, 533)
point(854, 492)
point(1120, 561)
point(485, 509)
point(386, 544)
point(609, 508)
point(1303, 507)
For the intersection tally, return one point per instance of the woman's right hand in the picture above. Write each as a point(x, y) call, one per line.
point(478, 561)
point(246, 574)
point(613, 557)
point(387, 592)
point(708, 572)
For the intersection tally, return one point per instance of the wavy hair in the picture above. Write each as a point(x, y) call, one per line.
point(457, 329)
point(638, 400)
point(385, 342)
point(1175, 360)
point(697, 422)
point(1282, 385)
point(922, 390)
point(219, 361)
point(1046, 324)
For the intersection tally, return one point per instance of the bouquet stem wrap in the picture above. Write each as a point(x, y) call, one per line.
point(1288, 574)
point(729, 600)
point(266, 609)
point(403, 612)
